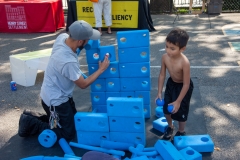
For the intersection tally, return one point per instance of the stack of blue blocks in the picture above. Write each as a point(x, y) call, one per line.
point(127, 77)
point(126, 120)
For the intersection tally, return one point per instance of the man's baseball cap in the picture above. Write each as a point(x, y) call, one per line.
point(81, 30)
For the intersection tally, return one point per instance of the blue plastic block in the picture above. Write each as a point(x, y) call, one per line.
point(115, 145)
point(111, 53)
point(147, 111)
point(200, 143)
point(98, 98)
point(65, 147)
point(135, 138)
point(134, 55)
point(125, 107)
point(88, 121)
point(111, 72)
point(145, 95)
point(112, 84)
point(159, 111)
point(160, 124)
point(128, 94)
point(58, 158)
point(135, 38)
point(135, 84)
point(126, 124)
point(112, 94)
point(100, 108)
point(92, 138)
point(134, 69)
point(167, 150)
point(158, 157)
point(47, 138)
point(190, 154)
point(93, 56)
point(99, 85)
point(92, 44)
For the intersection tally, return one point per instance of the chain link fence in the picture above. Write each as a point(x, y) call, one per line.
point(166, 6)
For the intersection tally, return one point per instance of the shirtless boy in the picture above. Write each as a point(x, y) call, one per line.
point(179, 85)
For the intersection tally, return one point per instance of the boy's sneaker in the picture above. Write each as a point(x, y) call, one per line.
point(168, 134)
point(180, 133)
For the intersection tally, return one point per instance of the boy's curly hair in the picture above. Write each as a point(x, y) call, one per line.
point(178, 37)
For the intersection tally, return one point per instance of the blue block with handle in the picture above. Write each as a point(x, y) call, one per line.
point(127, 137)
point(112, 84)
point(110, 51)
point(98, 98)
point(131, 39)
point(145, 95)
point(134, 69)
point(93, 56)
point(91, 138)
point(200, 143)
point(134, 55)
point(167, 150)
point(126, 124)
point(135, 84)
point(89, 121)
point(111, 72)
point(125, 107)
point(99, 85)
point(190, 154)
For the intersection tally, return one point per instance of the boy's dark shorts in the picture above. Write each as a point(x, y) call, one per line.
point(172, 92)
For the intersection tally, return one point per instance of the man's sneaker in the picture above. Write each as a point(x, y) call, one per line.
point(180, 133)
point(40, 116)
point(168, 134)
point(23, 128)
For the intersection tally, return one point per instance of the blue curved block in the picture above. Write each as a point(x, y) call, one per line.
point(200, 143)
point(190, 154)
point(134, 69)
point(47, 138)
point(93, 56)
point(99, 85)
point(65, 147)
point(131, 39)
point(134, 55)
point(107, 49)
point(167, 150)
